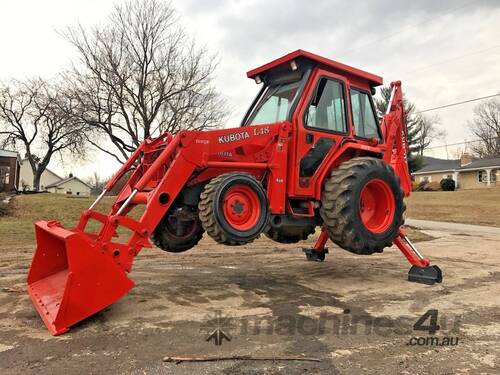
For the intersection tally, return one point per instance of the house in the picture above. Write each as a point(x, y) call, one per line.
point(48, 177)
point(70, 186)
point(468, 173)
point(51, 182)
point(10, 166)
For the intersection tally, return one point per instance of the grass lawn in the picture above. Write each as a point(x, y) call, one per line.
point(19, 229)
point(480, 207)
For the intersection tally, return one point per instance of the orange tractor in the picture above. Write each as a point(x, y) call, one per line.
point(310, 152)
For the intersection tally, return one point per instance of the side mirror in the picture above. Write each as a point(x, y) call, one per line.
point(373, 91)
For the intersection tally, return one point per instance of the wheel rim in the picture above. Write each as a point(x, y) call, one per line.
point(376, 206)
point(241, 207)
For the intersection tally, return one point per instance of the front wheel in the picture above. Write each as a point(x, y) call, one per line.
point(233, 208)
point(362, 205)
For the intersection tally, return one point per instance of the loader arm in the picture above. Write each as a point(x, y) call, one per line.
point(161, 169)
point(76, 273)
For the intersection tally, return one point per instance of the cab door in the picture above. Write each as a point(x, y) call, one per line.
point(321, 122)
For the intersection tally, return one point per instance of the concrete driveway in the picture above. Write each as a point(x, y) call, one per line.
point(356, 314)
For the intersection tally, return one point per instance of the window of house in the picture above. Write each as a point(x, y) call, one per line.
point(327, 109)
point(494, 175)
point(4, 175)
point(363, 116)
point(425, 179)
point(482, 176)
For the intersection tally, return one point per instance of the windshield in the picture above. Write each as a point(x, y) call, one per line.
point(275, 104)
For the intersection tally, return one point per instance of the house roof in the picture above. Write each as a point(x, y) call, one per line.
point(372, 78)
point(443, 165)
point(10, 154)
point(52, 172)
point(482, 163)
point(435, 164)
point(64, 180)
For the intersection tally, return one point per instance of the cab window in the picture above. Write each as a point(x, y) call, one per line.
point(363, 116)
point(275, 104)
point(327, 109)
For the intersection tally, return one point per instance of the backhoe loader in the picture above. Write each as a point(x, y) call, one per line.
point(310, 153)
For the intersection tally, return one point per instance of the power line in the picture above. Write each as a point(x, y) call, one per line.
point(459, 143)
point(458, 103)
point(397, 32)
point(452, 59)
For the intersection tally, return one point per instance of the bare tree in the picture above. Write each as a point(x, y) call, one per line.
point(486, 126)
point(427, 131)
point(96, 183)
point(34, 116)
point(139, 76)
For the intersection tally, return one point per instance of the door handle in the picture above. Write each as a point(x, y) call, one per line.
point(309, 138)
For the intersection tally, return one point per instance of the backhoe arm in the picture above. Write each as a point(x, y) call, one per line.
point(396, 154)
point(395, 136)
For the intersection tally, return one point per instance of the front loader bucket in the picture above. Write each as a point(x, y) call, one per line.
point(71, 277)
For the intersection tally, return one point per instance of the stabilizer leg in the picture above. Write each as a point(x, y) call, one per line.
point(421, 270)
point(318, 252)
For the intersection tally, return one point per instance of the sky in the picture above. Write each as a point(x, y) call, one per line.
point(443, 51)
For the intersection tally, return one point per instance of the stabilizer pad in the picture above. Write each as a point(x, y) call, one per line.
point(425, 275)
point(314, 255)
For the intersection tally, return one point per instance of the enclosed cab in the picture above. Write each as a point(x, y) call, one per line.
point(327, 103)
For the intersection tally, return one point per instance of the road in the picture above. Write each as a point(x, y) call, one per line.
point(453, 227)
point(355, 313)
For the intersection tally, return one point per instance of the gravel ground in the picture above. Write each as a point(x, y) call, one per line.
point(356, 314)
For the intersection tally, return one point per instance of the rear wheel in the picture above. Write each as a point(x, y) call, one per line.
point(178, 231)
point(233, 208)
point(362, 205)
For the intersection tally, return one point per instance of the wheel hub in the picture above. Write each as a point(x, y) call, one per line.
point(241, 207)
point(238, 207)
point(376, 206)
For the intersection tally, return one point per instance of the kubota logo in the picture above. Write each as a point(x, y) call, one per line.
point(234, 137)
point(243, 135)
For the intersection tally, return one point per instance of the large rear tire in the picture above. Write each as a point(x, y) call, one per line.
point(233, 208)
point(362, 205)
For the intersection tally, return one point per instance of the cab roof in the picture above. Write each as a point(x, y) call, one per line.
point(335, 66)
